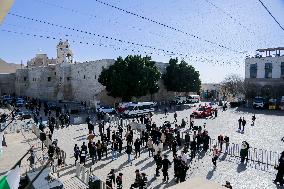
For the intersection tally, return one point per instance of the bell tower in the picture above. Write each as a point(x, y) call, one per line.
point(64, 54)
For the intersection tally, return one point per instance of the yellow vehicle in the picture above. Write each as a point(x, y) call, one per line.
point(272, 104)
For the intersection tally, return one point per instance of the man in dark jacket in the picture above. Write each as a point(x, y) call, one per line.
point(166, 163)
point(280, 170)
point(159, 161)
point(137, 145)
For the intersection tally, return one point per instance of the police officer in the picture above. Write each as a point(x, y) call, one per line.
point(110, 179)
point(119, 181)
point(158, 160)
point(166, 163)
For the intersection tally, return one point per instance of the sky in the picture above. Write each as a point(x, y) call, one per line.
point(241, 26)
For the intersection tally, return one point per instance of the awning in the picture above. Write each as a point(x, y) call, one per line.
point(197, 183)
point(5, 6)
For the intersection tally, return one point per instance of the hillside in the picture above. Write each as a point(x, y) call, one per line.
point(8, 67)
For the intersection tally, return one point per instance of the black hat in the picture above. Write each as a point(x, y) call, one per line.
point(143, 174)
point(120, 174)
point(137, 170)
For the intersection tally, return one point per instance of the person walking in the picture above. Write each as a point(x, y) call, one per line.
point(150, 147)
point(128, 152)
point(91, 151)
point(244, 151)
point(110, 179)
point(175, 116)
point(119, 181)
point(253, 118)
point(166, 163)
point(215, 155)
point(114, 149)
point(99, 149)
point(137, 145)
point(240, 123)
point(244, 122)
point(158, 160)
point(227, 142)
point(221, 141)
point(184, 167)
point(280, 170)
point(76, 153)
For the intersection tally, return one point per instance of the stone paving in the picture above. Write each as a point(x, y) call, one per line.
point(252, 175)
point(266, 134)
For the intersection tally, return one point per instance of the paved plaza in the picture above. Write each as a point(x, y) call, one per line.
point(265, 134)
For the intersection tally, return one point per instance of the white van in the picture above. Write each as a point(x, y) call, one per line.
point(180, 99)
point(139, 108)
point(193, 99)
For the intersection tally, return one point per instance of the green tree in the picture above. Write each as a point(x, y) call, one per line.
point(134, 76)
point(181, 77)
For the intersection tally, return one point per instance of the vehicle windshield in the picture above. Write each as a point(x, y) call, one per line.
point(258, 100)
point(201, 109)
point(130, 108)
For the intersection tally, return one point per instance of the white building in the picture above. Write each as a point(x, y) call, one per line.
point(265, 72)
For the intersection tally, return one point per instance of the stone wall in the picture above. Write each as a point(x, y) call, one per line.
point(7, 83)
point(76, 82)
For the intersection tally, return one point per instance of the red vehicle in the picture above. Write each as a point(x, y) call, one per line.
point(203, 111)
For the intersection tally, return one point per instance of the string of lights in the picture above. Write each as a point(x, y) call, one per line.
point(230, 16)
point(271, 15)
point(109, 46)
point(169, 27)
point(109, 21)
point(118, 40)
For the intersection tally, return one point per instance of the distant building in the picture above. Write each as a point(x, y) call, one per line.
point(62, 79)
point(264, 73)
point(210, 91)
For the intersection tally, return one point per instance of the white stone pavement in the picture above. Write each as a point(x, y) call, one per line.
point(266, 134)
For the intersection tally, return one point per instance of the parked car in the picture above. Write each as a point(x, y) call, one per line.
point(107, 109)
point(181, 99)
point(51, 106)
point(193, 99)
point(203, 111)
point(258, 102)
point(24, 114)
point(20, 102)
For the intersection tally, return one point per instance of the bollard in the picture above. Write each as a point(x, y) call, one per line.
point(83, 173)
point(78, 170)
point(87, 176)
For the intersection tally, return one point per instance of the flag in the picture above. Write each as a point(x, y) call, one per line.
point(5, 6)
point(11, 180)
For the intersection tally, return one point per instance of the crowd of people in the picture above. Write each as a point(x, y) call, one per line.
point(156, 139)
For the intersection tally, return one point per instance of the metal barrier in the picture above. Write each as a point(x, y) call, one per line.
point(256, 155)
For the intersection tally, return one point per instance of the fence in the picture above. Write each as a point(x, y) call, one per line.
point(256, 155)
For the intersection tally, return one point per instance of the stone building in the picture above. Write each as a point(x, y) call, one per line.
point(61, 79)
point(264, 73)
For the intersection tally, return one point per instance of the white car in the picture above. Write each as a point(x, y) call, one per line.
point(107, 109)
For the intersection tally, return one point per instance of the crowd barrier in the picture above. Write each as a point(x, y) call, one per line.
point(257, 155)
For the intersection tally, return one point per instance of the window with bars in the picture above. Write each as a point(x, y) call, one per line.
point(268, 70)
point(253, 70)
